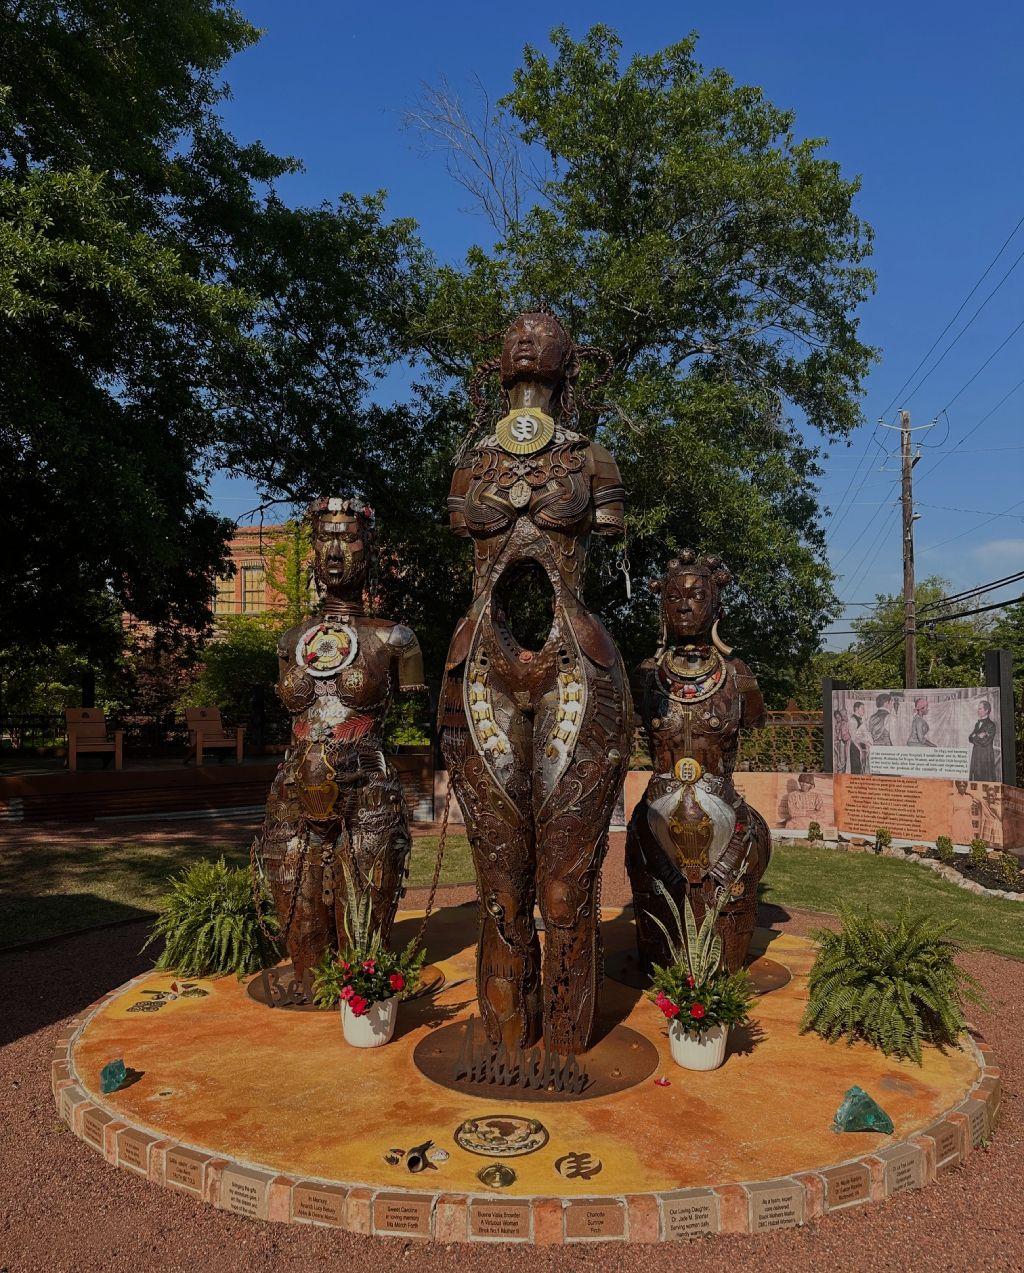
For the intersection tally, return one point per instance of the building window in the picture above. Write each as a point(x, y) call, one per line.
point(224, 597)
point(254, 589)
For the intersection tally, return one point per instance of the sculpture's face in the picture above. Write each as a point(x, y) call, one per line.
point(340, 551)
point(689, 603)
point(535, 348)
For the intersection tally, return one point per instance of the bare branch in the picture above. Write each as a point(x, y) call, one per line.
point(482, 151)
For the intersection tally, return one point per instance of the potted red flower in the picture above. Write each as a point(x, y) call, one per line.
point(699, 998)
point(365, 979)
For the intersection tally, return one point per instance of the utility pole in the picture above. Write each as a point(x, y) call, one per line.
point(909, 605)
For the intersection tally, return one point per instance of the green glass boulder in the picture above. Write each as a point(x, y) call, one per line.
point(113, 1076)
point(861, 1113)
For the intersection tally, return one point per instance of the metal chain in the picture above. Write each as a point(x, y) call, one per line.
point(418, 943)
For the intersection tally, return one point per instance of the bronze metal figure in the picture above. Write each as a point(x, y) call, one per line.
point(336, 803)
point(536, 732)
point(692, 832)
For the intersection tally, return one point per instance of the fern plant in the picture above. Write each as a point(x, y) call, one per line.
point(210, 923)
point(895, 986)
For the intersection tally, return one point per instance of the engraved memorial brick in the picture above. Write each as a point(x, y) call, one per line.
point(775, 1204)
point(133, 1150)
point(946, 1136)
point(690, 1214)
point(977, 1116)
point(590, 1218)
point(405, 1213)
point(508, 1221)
point(846, 1186)
point(904, 1168)
point(183, 1168)
point(320, 1204)
point(70, 1098)
point(244, 1192)
point(93, 1122)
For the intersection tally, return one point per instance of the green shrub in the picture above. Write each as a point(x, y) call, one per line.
point(944, 850)
point(210, 923)
point(883, 839)
point(978, 852)
point(895, 985)
point(1009, 870)
point(814, 831)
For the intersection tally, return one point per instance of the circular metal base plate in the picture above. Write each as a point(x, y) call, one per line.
point(620, 1059)
point(624, 966)
point(275, 988)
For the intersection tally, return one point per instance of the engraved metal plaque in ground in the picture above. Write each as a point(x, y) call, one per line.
point(623, 966)
point(279, 988)
point(621, 1058)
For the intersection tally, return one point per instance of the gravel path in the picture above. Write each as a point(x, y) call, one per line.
point(63, 1210)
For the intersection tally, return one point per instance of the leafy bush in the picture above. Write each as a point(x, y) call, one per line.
point(895, 986)
point(814, 831)
point(211, 926)
point(883, 839)
point(944, 850)
point(978, 852)
point(1009, 870)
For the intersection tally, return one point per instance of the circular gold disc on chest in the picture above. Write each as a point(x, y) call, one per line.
point(525, 431)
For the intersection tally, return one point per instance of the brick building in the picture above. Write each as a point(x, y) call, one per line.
point(248, 590)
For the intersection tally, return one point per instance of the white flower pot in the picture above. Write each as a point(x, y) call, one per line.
point(374, 1028)
point(693, 1051)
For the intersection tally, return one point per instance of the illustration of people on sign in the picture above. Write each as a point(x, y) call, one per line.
point(878, 725)
point(841, 736)
point(982, 739)
point(962, 810)
point(918, 736)
point(860, 740)
point(803, 804)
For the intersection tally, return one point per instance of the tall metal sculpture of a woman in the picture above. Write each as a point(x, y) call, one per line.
point(692, 833)
point(536, 732)
point(336, 799)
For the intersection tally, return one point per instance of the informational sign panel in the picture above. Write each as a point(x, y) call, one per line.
point(945, 733)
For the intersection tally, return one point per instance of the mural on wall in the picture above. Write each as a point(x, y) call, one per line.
point(944, 733)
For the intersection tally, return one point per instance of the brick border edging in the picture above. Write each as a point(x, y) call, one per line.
point(259, 1192)
point(951, 875)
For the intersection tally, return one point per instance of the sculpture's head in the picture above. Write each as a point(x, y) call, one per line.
point(691, 590)
point(342, 542)
point(537, 347)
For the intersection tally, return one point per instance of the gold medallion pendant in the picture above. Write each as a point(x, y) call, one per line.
point(525, 430)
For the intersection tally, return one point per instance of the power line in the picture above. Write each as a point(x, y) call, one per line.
point(959, 311)
point(967, 383)
point(971, 529)
point(947, 508)
point(838, 514)
point(855, 543)
point(874, 550)
point(974, 428)
point(966, 326)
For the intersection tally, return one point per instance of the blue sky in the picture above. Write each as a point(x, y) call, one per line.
point(922, 100)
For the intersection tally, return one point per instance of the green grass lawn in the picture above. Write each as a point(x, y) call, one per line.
point(820, 879)
point(47, 892)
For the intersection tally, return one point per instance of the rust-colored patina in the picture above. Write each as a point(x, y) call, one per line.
point(692, 833)
point(335, 808)
point(536, 728)
point(282, 1089)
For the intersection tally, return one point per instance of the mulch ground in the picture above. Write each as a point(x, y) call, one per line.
point(62, 1209)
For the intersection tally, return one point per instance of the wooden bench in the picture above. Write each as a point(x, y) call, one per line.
point(87, 732)
point(206, 732)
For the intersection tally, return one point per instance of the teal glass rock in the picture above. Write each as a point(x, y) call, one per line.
point(861, 1113)
point(113, 1076)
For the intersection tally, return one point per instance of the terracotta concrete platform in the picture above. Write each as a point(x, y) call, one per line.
point(269, 1114)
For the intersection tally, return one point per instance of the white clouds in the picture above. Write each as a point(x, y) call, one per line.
point(999, 556)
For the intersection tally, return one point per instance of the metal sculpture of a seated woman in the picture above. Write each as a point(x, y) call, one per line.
point(335, 811)
point(536, 725)
point(692, 833)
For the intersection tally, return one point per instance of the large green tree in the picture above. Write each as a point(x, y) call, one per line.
point(151, 311)
point(673, 218)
